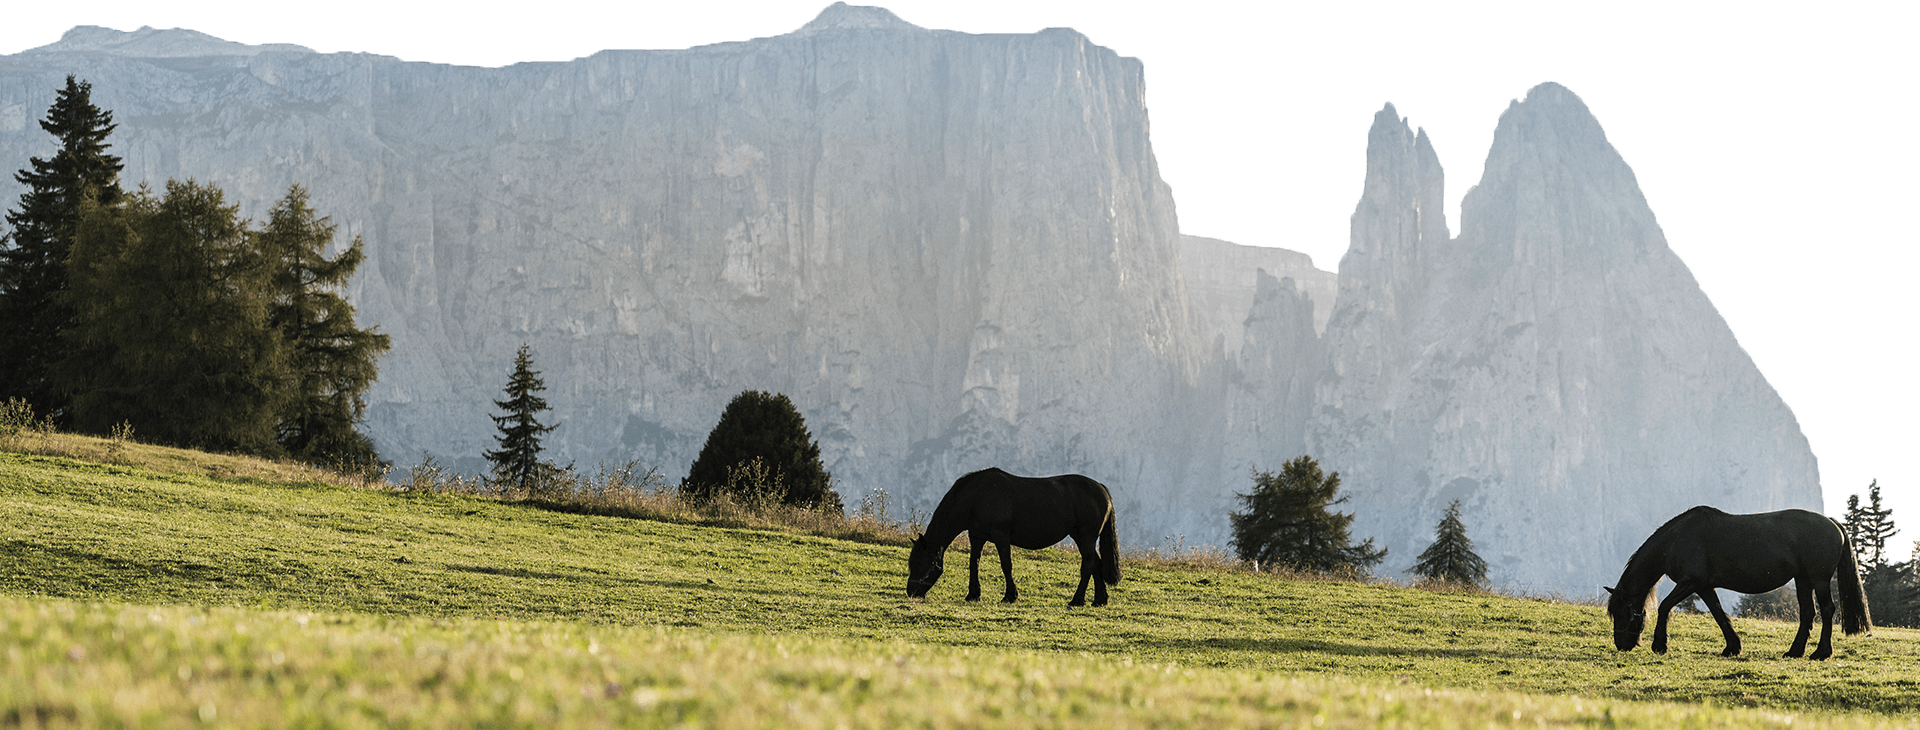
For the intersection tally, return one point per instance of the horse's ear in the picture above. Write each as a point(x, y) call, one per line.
point(1608, 589)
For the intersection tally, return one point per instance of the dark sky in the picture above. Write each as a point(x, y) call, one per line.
point(1761, 166)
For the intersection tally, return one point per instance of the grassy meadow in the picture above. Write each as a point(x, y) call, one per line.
point(182, 589)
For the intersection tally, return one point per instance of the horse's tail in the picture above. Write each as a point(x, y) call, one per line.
point(1110, 551)
point(1854, 615)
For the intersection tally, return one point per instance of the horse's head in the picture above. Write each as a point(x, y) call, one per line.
point(924, 565)
point(1629, 617)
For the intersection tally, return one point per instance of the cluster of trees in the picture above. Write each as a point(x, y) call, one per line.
point(1288, 521)
point(759, 453)
point(1893, 588)
point(170, 314)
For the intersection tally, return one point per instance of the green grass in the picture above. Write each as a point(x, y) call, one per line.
point(415, 609)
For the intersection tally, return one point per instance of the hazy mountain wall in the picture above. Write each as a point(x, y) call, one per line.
point(954, 251)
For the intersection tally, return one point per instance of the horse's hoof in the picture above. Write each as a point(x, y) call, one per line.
point(1730, 652)
point(1077, 604)
point(973, 598)
point(1819, 656)
point(1796, 653)
point(1097, 604)
point(1008, 599)
point(1659, 649)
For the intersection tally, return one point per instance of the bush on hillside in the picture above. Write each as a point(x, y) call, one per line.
point(761, 451)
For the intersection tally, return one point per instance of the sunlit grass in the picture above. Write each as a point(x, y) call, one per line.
point(93, 665)
point(373, 570)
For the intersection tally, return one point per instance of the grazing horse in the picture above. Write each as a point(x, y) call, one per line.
point(1032, 512)
point(1704, 548)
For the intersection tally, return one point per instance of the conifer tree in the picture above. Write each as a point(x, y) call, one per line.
point(1869, 528)
point(34, 253)
point(517, 464)
point(1450, 559)
point(331, 360)
point(757, 424)
point(1287, 522)
point(170, 330)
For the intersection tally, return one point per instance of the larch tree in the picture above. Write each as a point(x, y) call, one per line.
point(171, 333)
point(34, 252)
point(1450, 559)
point(331, 360)
point(1288, 522)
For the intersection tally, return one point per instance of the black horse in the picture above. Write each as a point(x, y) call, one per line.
point(1705, 548)
point(1032, 512)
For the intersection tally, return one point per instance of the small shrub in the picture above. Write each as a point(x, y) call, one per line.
point(16, 417)
point(117, 441)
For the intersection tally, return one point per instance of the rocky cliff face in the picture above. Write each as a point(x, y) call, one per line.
point(954, 251)
point(1555, 367)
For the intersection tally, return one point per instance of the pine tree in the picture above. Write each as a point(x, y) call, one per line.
point(517, 464)
point(332, 361)
point(170, 330)
point(1450, 558)
point(1871, 525)
point(766, 426)
point(1287, 522)
point(33, 255)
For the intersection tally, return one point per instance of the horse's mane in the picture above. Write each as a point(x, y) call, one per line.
point(1654, 544)
point(1654, 541)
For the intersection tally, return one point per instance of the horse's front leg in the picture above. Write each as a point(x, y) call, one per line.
point(1006, 567)
point(1680, 593)
point(1824, 594)
point(973, 568)
point(1712, 600)
point(1803, 589)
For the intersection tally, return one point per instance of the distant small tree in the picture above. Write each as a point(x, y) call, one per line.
point(517, 464)
point(1450, 559)
point(764, 426)
point(1871, 525)
point(1287, 522)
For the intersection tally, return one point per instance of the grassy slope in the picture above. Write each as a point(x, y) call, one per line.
point(387, 565)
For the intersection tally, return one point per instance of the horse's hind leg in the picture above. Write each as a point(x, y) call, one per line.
point(1824, 594)
point(973, 567)
point(1089, 561)
point(1712, 600)
point(1006, 567)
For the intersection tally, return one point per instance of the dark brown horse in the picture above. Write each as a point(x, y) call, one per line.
point(1031, 512)
point(1705, 548)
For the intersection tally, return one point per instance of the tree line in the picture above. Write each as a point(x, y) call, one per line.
point(168, 314)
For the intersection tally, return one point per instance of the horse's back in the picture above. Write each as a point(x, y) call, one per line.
point(1752, 553)
point(994, 497)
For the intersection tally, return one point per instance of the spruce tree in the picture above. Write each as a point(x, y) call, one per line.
point(517, 464)
point(34, 253)
point(170, 330)
point(1287, 522)
point(1450, 559)
point(757, 424)
point(331, 360)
